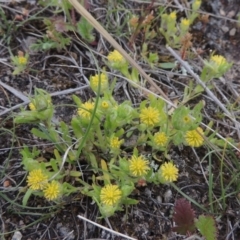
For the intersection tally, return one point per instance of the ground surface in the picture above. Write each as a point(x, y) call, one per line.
point(57, 71)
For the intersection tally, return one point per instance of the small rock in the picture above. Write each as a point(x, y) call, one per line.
point(17, 236)
point(65, 232)
point(159, 199)
point(167, 196)
point(232, 32)
point(225, 29)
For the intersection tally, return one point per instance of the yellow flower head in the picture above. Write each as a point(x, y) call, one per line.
point(169, 172)
point(138, 166)
point(115, 142)
point(110, 194)
point(105, 104)
point(187, 119)
point(160, 139)
point(85, 110)
point(185, 22)
point(32, 106)
point(218, 60)
point(37, 180)
point(22, 60)
point(115, 56)
point(95, 80)
point(149, 116)
point(173, 15)
point(52, 190)
point(194, 138)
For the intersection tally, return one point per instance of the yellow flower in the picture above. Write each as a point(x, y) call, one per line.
point(110, 194)
point(105, 104)
point(138, 166)
point(37, 180)
point(86, 109)
point(22, 60)
point(185, 22)
point(169, 172)
point(173, 15)
point(218, 60)
point(52, 190)
point(186, 119)
point(115, 142)
point(115, 56)
point(194, 138)
point(160, 139)
point(149, 116)
point(95, 80)
point(32, 106)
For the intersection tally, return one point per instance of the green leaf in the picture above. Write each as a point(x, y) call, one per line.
point(65, 133)
point(26, 197)
point(85, 29)
point(127, 189)
point(129, 201)
point(36, 132)
point(30, 164)
point(206, 226)
point(168, 65)
point(75, 174)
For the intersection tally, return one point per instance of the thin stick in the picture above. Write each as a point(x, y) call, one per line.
point(199, 81)
point(107, 229)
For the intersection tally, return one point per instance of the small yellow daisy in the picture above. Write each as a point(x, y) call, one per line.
point(37, 180)
point(138, 166)
point(173, 15)
point(52, 190)
point(149, 116)
point(160, 139)
point(115, 142)
point(115, 56)
point(32, 106)
point(194, 138)
point(85, 110)
point(186, 119)
point(169, 172)
point(22, 60)
point(218, 60)
point(110, 194)
point(105, 104)
point(95, 80)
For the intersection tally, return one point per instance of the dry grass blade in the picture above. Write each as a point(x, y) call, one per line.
point(109, 38)
point(107, 229)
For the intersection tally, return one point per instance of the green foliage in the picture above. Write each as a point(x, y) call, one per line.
point(173, 32)
point(207, 227)
point(100, 126)
point(85, 30)
point(20, 62)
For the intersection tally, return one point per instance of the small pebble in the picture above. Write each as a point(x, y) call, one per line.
point(232, 32)
point(159, 199)
point(225, 29)
point(17, 236)
point(167, 196)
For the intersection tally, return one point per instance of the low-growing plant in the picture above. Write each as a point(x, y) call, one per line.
point(98, 135)
point(174, 32)
point(57, 27)
point(19, 62)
